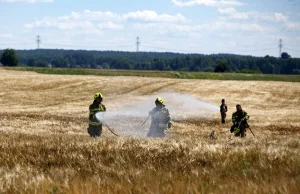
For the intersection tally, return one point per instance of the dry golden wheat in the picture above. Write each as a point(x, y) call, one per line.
point(44, 146)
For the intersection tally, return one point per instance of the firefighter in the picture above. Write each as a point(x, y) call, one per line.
point(160, 119)
point(223, 110)
point(239, 120)
point(95, 125)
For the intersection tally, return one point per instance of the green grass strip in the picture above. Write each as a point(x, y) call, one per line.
point(166, 74)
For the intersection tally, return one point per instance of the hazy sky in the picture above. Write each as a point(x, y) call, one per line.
point(248, 27)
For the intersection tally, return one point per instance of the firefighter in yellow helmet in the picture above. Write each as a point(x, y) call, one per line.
point(95, 126)
point(160, 119)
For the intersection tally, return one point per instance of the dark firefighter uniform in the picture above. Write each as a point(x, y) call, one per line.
point(160, 120)
point(223, 110)
point(239, 120)
point(95, 126)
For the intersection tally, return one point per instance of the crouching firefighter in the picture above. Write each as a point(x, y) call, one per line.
point(95, 126)
point(239, 120)
point(160, 119)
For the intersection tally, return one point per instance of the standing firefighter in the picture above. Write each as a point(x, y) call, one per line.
point(239, 120)
point(160, 119)
point(95, 126)
point(223, 110)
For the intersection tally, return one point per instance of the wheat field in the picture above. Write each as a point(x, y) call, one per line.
point(45, 148)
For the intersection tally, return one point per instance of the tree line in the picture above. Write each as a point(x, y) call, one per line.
point(164, 61)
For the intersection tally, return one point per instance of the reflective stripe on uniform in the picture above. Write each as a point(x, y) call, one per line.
point(94, 110)
point(98, 109)
point(234, 118)
point(94, 123)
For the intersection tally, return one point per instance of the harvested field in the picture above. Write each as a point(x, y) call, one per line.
point(45, 148)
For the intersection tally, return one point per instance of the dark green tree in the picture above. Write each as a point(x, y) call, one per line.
point(41, 63)
point(221, 67)
point(60, 62)
point(158, 61)
point(9, 58)
point(285, 55)
point(31, 62)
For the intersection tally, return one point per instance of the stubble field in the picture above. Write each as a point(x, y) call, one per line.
point(45, 148)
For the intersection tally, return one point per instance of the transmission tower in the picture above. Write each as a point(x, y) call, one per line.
point(38, 41)
point(280, 47)
point(137, 44)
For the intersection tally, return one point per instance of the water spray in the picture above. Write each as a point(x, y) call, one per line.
point(127, 117)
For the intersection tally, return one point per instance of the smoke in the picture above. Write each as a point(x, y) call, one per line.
point(127, 120)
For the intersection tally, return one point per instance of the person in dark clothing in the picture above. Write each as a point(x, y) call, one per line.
point(223, 110)
point(239, 120)
point(95, 126)
point(160, 120)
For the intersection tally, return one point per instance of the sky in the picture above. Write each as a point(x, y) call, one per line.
point(246, 27)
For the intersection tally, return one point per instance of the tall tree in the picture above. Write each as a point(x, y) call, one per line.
point(9, 58)
point(221, 67)
point(285, 55)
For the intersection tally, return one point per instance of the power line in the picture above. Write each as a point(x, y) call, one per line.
point(290, 45)
point(259, 49)
point(127, 45)
point(75, 46)
point(292, 49)
point(238, 46)
point(248, 46)
point(163, 49)
point(18, 44)
point(264, 49)
point(62, 45)
point(262, 45)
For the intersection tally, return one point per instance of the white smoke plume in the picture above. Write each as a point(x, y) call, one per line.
point(127, 121)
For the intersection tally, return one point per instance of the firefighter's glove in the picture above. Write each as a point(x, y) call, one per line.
point(169, 125)
point(236, 130)
point(232, 129)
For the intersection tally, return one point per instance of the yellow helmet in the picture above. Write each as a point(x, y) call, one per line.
point(160, 100)
point(97, 95)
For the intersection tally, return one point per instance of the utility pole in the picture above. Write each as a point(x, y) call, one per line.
point(280, 47)
point(137, 44)
point(38, 41)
